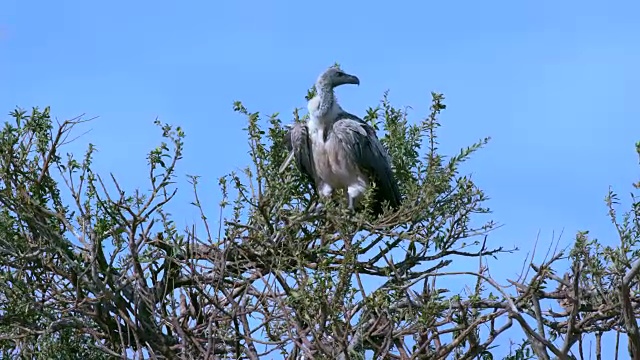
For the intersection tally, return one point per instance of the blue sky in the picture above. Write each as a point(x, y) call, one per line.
point(553, 83)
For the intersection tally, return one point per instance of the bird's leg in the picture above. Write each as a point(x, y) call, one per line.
point(317, 208)
point(351, 203)
point(325, 192)
point(354, 191)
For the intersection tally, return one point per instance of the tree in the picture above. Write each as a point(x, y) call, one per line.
point(90, 272)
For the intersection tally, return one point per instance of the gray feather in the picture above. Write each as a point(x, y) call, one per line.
point(297, 141)
point(367, 152)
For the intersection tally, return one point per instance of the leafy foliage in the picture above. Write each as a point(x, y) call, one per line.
point(89, 272)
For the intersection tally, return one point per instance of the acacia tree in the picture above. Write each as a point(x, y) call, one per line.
point(109, 274)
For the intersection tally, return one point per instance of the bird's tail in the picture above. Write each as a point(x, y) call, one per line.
point(286, 162)
point(379, 198)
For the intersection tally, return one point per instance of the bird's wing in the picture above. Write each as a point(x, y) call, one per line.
point(299, 146)
point(368, 153)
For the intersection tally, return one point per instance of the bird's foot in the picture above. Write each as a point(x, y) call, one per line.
point(349, 212)
point(351, 207)
point(317, 208)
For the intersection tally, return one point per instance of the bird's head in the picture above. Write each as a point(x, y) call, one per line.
point(334, 76)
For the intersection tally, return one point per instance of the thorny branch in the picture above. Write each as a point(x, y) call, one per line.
point(277, 278)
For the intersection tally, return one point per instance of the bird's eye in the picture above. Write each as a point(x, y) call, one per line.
point(338, 74)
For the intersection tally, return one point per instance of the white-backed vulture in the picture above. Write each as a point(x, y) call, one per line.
point(336, 149)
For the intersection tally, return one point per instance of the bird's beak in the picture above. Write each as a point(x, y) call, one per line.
point(354, 80)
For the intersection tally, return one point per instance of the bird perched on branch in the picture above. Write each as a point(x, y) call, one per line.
point(338, 150)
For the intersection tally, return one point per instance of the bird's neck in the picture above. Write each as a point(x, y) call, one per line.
point(325, 103)
point(323, 109)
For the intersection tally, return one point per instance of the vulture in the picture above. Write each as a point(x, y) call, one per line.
point(337, 150)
